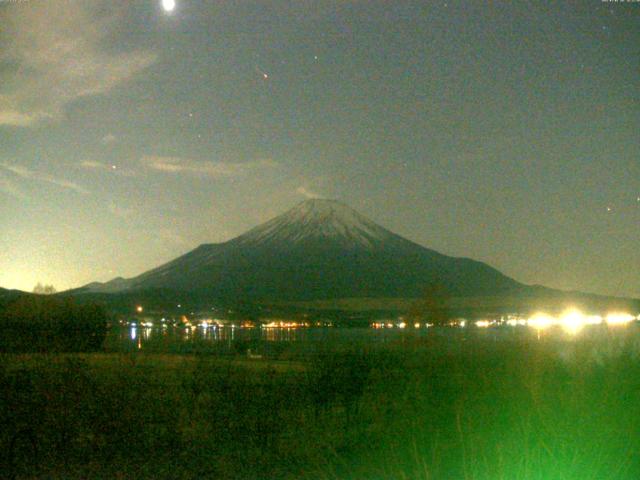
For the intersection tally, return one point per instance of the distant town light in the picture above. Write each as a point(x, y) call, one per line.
point(572, 321)
point(540, 321)
point(619, 318)
point(139, 309)
point(593, 320)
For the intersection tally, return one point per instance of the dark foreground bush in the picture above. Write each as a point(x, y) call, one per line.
point(46, 324)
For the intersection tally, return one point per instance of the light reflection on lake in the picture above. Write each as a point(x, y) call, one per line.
point(292, 342)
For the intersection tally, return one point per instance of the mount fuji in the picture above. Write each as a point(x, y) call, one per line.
point(318, 250)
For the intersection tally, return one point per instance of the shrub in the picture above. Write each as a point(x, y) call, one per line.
point(46, 324)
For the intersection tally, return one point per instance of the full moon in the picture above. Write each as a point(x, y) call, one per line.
point(169, 5)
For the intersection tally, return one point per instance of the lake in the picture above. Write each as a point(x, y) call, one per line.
point(289, 343)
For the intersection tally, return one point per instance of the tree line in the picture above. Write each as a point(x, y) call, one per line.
point(37, 323)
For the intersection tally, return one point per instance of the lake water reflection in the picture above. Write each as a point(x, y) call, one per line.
point(295, 342)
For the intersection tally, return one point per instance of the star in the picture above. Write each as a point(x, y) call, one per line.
point(262, 72)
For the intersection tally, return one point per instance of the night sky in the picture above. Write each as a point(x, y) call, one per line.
point(508, 133)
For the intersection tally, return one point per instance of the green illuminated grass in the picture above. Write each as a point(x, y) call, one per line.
point(518, 409)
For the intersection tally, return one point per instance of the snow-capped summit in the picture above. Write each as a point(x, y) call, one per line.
point(318, 219)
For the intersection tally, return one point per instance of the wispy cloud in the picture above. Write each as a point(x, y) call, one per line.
point(104, 167)
point(305, 192)
point(108, 139)
point(15, 118)
point(91, 165)
point(8, 187)
point(28, 174)
point(207, 168)
point(55, 54)
point(120, 211)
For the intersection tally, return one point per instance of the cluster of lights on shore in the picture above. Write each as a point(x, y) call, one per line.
point(571, 320)
point(184, 321)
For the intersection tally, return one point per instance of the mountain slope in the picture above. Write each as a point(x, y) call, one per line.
point(320, 249)
point(6, 296)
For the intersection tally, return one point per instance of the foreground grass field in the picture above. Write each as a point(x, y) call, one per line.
point(520, 409)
